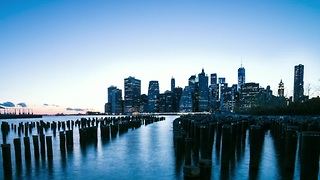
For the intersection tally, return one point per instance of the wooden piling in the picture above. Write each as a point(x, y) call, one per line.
point(255, 146)
point(226, 146)
point(27, 150)
point(6, 160)
point(309, 159)
point(42, 145)
point(49, 147)
point(35, 146)
point(17, 149)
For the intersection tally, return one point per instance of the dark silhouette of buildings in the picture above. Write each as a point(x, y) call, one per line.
point(199, 96)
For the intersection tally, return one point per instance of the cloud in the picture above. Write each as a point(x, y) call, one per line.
point(53, 105)
point(7, 104)
point(22, 104)
point(75, 109)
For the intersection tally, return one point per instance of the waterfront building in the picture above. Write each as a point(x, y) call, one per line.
point(153, 92)
point(241, 77)
point(222, 85)
point(192, 83)
point(213, 92)
point(177, 93)
point(203, 92)
point(213, 78)
point(186, 101)
point(132, 94)
point(281, 89)
point(165, 102)
point(249, 94)
point(298, 83)
point(143, 103)
point(173, 84)
point(114, 105)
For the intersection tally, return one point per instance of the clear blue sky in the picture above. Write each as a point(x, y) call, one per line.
point(67, 53)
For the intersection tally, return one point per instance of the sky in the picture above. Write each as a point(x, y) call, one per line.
point(61, 56)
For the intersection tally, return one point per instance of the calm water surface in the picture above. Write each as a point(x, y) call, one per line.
point(143, 153)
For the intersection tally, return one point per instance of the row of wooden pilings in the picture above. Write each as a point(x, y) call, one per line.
point(88, 133)
point(194, 137)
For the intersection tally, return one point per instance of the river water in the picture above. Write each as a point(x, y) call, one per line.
point(143, 153)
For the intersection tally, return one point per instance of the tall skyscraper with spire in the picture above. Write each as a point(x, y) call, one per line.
point(298, 83)
point(281, 89)
point(241, 77)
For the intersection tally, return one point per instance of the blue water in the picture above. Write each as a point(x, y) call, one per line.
point(143, 153)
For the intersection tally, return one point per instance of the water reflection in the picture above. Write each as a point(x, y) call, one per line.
point(142, 152)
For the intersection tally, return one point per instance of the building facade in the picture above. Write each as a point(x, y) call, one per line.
point(153, 92)
point(203, 92)
point(132, 93)
point(241, 77)
point(281, 89)
point(298, 95)
point(114, 105)
point(186, 101)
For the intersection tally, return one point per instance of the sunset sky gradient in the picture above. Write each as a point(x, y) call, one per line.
point(65, 54)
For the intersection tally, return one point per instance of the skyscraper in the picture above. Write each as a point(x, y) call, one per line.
point(298, 83)
point(281, 89)
point(186, 101)
point(114, 100)
point(241, 77)
point(173, 84)
point(153, 92)
point(203, 92)
point(213, 78)
point(132, 92)
point(213, 92)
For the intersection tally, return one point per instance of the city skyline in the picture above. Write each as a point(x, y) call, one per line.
point(62, 57)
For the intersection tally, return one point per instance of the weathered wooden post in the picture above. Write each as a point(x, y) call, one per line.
point(255, 146)
point(309, 159)
point(62, 142)
point(291, 147)
point(17, 149)
point(226, 139)
point(188, 151)
point(42, 145)
point(205, 168)
point(6, 160)
point(27, 150)
point(204, 142)
point(35, 146)
point(69, 135)
point(49, 147)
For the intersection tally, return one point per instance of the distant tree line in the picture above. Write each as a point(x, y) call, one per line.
point(309, 107)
